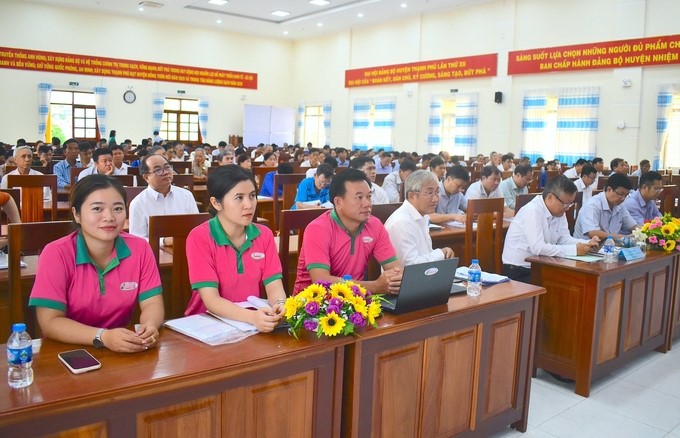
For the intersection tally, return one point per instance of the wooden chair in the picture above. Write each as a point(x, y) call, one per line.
point(572, 213)
point(634, 179)
point(293, 220)
point(176, 297)
point(290, 184)
point(602, 182)
point(260, 172)
point(669, 200)
point(380, 178)
point(32, 195)
point(75, 171)
point(42, 169)
point(486, 244)
point(131, 193)
point(383, 211)
point(182, 167)
point(506, 174)
point(523, 199)
point(126, 180)
point(28, 239)
point(16, 195)
point(184, 181)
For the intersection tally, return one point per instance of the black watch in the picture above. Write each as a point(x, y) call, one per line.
point(97, 341)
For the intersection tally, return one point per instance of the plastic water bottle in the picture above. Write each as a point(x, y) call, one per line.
point(474, 283)
point(610, 255)
point(19, 357)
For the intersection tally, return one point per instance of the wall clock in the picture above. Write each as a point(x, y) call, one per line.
point(129, 96)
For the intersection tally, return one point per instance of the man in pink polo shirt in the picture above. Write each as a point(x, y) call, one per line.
point(340, 242)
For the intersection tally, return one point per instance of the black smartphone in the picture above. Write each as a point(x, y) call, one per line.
point(79, 361)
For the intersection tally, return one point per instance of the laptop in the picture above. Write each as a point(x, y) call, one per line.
point(424, 285)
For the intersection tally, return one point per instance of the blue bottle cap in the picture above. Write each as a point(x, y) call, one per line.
point(19, 327)
point(346, 277)
point(475, 261)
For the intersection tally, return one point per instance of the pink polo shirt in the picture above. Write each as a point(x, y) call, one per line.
point(328, 245)
point(237, 274)
point(68, 280)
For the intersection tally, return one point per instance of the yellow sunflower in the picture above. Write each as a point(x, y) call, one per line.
point(342, 291)
point(291, 306)
point(374, 311)
point(645, 227)
point(331, 324)
point(313, 292)
point(361, 307)
point(669, 246)
point(668, 229)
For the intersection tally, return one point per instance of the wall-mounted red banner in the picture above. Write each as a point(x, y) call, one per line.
point(437, 70)
point(34, 60)
point(609, 54)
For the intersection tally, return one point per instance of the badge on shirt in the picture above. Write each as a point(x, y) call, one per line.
point(128, 285)
point(257, 255)
point(367, 239)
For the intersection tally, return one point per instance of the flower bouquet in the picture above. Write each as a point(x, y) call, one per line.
point(330, 309)
point(661, 232)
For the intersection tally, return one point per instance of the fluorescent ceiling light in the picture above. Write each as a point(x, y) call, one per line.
point(219, 21)
point(319, 24)
point(403, 5)
point(281, 13)
point(319, 2)
point(360, 15)
point(218, 2)
point(285, 32)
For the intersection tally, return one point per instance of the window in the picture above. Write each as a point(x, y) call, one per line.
point(180, 120)
point(448, 125)
point(314, 131)
point(73, 115)
point(373, 124)
point(671, 147)
point(453, 124)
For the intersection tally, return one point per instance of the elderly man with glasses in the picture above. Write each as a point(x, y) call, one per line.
point(540, 228)
point(159, 198)
point(641, 203)
point(604, 215)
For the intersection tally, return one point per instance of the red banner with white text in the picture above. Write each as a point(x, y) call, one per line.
point(437, 70)
point(638, 52)
point(35, 60)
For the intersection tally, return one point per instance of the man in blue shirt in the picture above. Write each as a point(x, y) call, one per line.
point(641, 203)
point(63, 168)
point(267, 188)
point(312, 192)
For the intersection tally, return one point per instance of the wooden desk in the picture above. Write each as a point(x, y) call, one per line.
point(454, 238)
point(465, 369)
point(596, 317)
point(267, 385)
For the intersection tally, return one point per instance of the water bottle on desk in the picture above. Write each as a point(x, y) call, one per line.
point(19, 357)
point(474, 283)
point(609, 249)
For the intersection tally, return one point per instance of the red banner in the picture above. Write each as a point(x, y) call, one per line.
point(437, 70)
point(609, 54)
point(34, 60)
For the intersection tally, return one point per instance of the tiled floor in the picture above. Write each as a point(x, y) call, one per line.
point(640, 400)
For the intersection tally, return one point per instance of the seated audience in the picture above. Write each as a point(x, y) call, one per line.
point(23, 157)
point(45, 158)
point(118, 155)
point(586, 182)
point(575, 171)
point(384, 164)
point(312, 192)
point(619, 165)
point(85, 149)
point(452, 203)
point(604, 215)
point(550, 165)
point(367, 165)
point(540, 228)
point(199, 167)
point(341, 241)
point(487, 187)
point(230, 257)
point(159, 198)
point(69, 309)
point(327, 160)
point(244, 162)
point(438, 168)
point(63, 168)
point(409, 225)
point(507, 163)
point(517, 184)
point(225, 158)
point(645, 166)
point(103, 164)
point(393, 182)
point(341, 155)
point(313, 160)
point(267, 188)
point(641, 203)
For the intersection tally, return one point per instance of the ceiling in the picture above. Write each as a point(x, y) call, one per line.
point(255, 17)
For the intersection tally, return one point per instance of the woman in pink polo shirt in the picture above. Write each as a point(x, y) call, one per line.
point(88, 283)
point(230, 257)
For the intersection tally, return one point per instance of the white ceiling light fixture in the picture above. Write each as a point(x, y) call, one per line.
point(285, 32)
point(281, 13)
point(219, 21)
point(319, 2)
point(319, 24)
point(403, 5)
point(360, 15)
point(150, 5)
point(140, 9)
point(218, 2)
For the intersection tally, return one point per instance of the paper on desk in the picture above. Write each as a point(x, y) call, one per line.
point(326, 204)
point(207, 329)
point(459, 224)
point(585, 258)
point(4, 264)
point(487, 277)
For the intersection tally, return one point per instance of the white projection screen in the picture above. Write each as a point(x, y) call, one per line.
point(268, 124)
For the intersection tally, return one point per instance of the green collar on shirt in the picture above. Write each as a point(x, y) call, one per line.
point(221, 238)
point(83, 257)
point(334, 216)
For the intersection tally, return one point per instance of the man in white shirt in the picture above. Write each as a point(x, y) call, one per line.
point(23, 157)
point(586, 183)
point(103, 164)
point(341, 153)
point(517, 184)
point(540, 228)
point(85, 149)
point(393, 182)
point(408, 226)
point(159, 198)
point(367, 165)
point(313, 160)
point(452, 203)
point(487, 187)
point(645, 166)
point(575, 171)
point(119, 167)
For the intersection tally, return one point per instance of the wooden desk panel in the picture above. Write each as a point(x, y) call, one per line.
point(185, 386)
point(443, 371)
point(595, 317)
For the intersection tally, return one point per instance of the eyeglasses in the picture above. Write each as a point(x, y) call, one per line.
point(620, 195)
point(428, 194)
point(566, 205)
point(159, 171)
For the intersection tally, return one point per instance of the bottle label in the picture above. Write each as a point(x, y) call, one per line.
point(474, 276)
point(18, 356)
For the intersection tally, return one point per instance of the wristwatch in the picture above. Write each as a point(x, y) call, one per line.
point(97, 341)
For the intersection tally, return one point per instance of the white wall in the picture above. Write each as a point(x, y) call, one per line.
point(312, 70)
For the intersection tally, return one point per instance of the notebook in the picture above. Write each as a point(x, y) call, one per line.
point(424, 285)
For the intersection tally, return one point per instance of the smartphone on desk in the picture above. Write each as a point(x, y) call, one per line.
point(79, 361)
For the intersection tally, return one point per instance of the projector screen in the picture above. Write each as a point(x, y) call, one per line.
point(268, 124)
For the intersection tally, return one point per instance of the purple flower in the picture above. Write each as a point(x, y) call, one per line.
point(331, 308)
point(312, 308)
point(335, 302)
point(324, 283)
point(357, 319)
point(310, 325)
point(356, 290)
point(368, 299)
